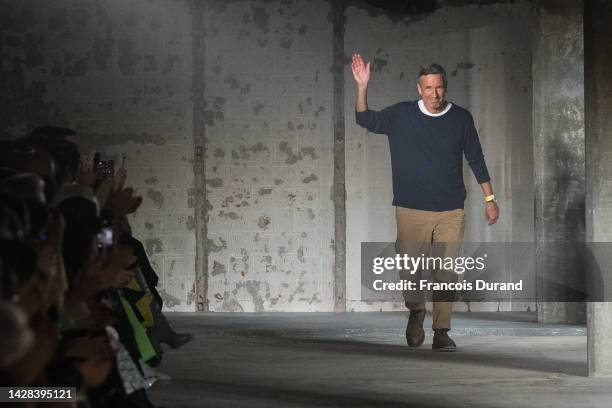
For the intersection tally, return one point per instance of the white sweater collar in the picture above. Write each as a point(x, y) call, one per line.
point(428, 113)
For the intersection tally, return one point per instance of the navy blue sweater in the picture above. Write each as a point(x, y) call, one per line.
point(426, 154)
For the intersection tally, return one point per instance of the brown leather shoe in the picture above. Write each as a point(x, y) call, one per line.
point(415, 335)
point(442, 341)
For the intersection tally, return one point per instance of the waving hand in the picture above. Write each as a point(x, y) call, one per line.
point(361, 71)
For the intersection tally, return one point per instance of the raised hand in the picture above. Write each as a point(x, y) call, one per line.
point(88, 173)
point(361, 71)
point(120, 176)
point(105, 191)
point(124, 202)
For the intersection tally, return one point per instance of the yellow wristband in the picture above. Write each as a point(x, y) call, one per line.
point(490, 198)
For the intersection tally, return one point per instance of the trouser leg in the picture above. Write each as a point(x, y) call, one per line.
point(414, 235)
point(447, 237)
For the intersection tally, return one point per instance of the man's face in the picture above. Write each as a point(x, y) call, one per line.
point(432, 90)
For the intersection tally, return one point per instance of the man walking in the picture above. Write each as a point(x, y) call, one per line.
point(427, 139)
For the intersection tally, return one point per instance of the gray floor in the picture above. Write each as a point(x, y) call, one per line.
point(360, 359)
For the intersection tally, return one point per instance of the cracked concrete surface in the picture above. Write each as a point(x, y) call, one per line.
point(306, 360)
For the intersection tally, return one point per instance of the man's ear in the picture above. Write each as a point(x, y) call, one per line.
point(419, 89)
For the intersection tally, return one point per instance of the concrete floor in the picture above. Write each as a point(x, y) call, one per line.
point(361, 359)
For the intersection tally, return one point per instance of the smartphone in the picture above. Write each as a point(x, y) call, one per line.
point(105, 237)
point(104, 168)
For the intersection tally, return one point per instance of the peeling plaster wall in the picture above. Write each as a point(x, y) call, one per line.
point(484, 50)
point(120, 74)
point(269, 163)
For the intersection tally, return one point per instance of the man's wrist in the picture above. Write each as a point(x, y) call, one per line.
point(490, 198)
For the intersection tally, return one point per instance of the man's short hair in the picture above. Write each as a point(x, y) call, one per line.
point(433, 69)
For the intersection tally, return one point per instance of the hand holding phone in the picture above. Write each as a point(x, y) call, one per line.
point(104, 168)
point(87, 175)
point(105, 237)
point(120, 176)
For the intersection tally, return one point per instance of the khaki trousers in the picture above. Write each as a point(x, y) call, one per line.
point(435, 234)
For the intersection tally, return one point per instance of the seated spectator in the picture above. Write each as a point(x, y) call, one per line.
point(78, 302)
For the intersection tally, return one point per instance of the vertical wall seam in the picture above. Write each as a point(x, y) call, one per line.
point(339, 193)
point(199, 167)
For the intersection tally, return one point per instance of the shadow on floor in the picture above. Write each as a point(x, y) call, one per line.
point(424, 353)
point(189, 392)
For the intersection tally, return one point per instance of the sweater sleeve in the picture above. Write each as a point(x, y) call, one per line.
point(377, 121)
point(473, 153)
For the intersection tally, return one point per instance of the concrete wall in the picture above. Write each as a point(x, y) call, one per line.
point(483, 49)
point(598, 134)
point(254, 86)
point(120, 74)
point(268, 90)
point(559, 152)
